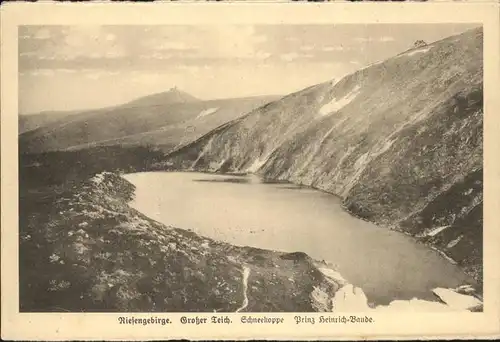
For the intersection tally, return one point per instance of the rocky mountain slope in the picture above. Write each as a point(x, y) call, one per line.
point(162, 120)
point(400, 141)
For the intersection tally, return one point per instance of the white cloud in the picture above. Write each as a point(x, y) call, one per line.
point(288, 57)
point(166, 45)
point(156, 55)
point(27, 54)
point(193, 68)
point(42, 72)
point(362, 39)
point(209, 42)
point(68, 71)
point(42, 34)
point(86, 41)
point(307, 48)
point(260, 38)
point(95, 55)
point(262, 55)
point(232, 42)
point(145, 77)
point(47, 56)
point(189, 68)
point(94, 75)
point(333, 48)
point(114, 54)
point(372, 39)
point(386, 39)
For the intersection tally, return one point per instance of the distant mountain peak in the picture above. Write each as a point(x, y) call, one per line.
point(171, 96)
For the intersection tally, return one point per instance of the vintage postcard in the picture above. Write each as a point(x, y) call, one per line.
point(250, 171)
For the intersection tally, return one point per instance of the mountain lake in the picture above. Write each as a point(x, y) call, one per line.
point(244, 211)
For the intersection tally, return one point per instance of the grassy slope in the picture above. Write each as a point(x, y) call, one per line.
point(180, 133)
point(131, 124)
point(29, 122)
point(408, 141)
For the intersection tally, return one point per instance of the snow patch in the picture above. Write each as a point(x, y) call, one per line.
point(208, 111)
point(436, 231)
point(454, 242)
point(336, 104)
point(465, 289)
point(373, 64)
point(417, 51)
point(334, 275)
point(258, 163)
point(362, 160)
point(350, 299)
point(320, 300)
point(414, 305)
point(215, 166)
point(456, 300)
point(386, 146)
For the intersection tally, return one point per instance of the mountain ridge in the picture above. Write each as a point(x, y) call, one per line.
point(390, 139)
point(173, 95)
point(136, 123)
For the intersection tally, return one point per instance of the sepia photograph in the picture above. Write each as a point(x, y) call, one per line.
point(258, 171)
point(251, 168)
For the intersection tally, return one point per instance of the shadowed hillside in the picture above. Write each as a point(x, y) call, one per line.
point(397, 141)
point(29, 122)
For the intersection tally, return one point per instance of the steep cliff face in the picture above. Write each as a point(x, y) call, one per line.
point(400, 141)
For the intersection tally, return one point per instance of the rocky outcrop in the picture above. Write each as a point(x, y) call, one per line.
point(400, 141)
point(419, 43)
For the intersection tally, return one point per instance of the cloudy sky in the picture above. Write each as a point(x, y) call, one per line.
point(82, 67)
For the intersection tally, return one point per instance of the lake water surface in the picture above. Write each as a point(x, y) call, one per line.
point(243, 211)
